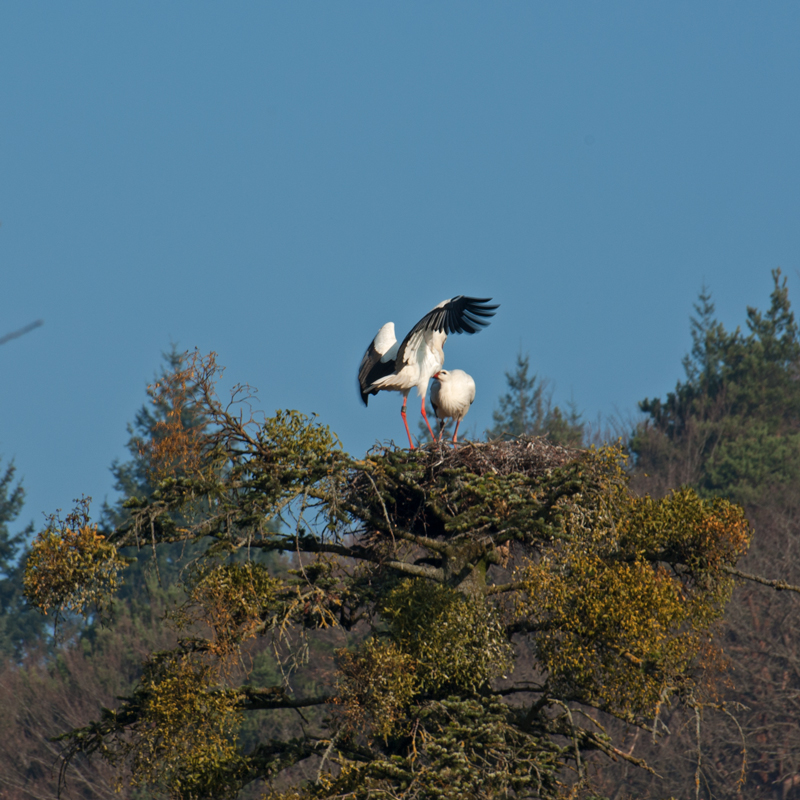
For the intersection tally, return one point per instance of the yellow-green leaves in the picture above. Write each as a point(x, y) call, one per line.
point(295, 440)
point(232, 600)
point(376, 685)
point(456, 642)
point(610, 632)
point(71, 566)
point(185, 739)
point(702, 534)
point(621, 608)
point(439, 641)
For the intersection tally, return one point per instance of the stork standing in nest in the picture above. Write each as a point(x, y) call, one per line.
point(399, 367)
point(452, 393)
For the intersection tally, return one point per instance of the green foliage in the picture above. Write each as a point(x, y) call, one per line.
point(615, 623)
point(71, 566)
point(64, 684)
point(527, 410)
point(230, 599)
point(11, 501)
point(733, 426)
point(731, 429)
point(376, 686)
point(190, 730)
point(20, 626)
point(435, 571)
point(456, 641)
point(462, 749)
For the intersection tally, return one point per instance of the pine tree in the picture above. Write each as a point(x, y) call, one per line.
point(152, 423)
point(527, 410)
point(20, 625)
point(733, 426)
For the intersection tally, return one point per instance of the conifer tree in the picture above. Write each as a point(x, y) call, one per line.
point(527, 410)
point(152, 423)
point(20, 625)
point(732, 427)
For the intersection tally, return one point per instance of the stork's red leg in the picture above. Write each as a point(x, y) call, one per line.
point(405, 421)
point(455, 432)
point(426, 420)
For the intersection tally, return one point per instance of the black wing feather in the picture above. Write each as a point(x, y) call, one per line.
point(459, 315)
point(372, 369)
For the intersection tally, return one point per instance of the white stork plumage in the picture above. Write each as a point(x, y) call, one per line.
point(389, 366)
point(452, 393)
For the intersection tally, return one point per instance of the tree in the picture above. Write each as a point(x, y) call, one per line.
point(732, 429)
point(12, 499)
point(153, 423)
point(20, 625)
point(54, 688)
point(527, 410)
point(51, 683)
point(733, 426)
point(494, 606)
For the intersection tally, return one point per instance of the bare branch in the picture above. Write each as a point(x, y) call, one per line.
point(275, 697)
point(423, 541)
point(502, 588)
point(420, 570)
point(775, 584)
point(21, 332)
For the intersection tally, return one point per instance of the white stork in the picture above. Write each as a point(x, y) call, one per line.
point(452, 393)
point(389, 366)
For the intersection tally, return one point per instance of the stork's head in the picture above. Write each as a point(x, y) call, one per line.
point(442, 373)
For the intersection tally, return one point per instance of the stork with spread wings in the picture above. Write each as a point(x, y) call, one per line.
point(398, 367)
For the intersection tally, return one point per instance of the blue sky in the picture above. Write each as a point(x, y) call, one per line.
point(274, 181)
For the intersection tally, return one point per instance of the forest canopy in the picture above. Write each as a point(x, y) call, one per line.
point(267, 615)
point(436, 623)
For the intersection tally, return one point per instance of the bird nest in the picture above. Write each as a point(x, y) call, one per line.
point(424, 490)
point(526, 455)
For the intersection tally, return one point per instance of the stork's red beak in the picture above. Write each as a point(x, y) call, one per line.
point(435, 375)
